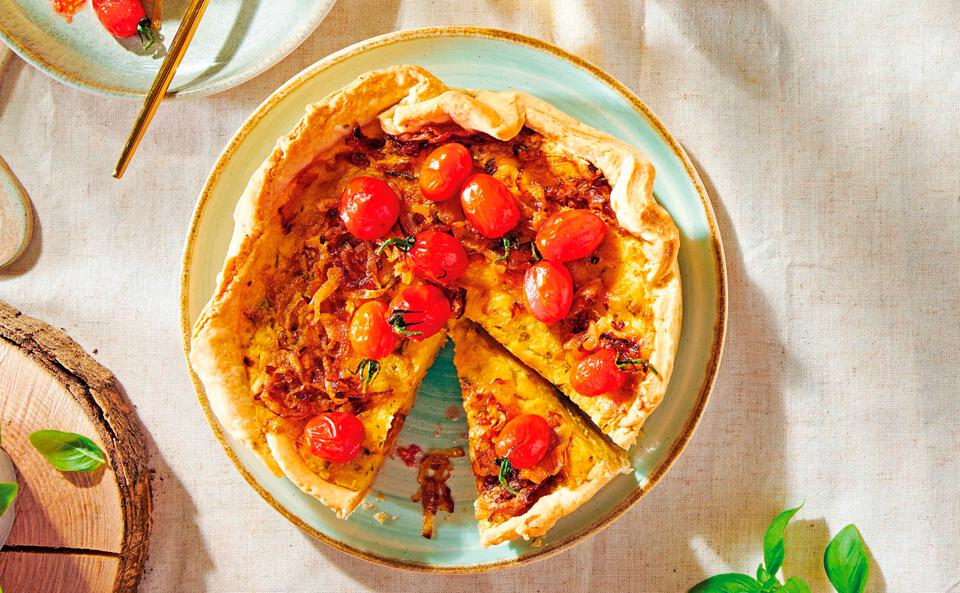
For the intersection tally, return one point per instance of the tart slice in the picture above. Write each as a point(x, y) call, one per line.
point(534, 459)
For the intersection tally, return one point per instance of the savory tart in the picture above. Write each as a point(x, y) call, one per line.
point(534, 459)
point(397, 204)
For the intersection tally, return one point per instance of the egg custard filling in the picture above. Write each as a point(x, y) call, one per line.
point(399, 208)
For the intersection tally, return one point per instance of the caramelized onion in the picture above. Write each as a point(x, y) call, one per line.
point(434, 494)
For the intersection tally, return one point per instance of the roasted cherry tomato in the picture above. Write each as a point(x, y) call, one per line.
point(548, 291)
point(418, 312)
point(489, 205)
point(570, 235)
point(124, 18)
point(370, 334)
point(598, 374)
point(334, 436)
point(369, 207)
point(444, 171)
point(438, 256)
point(524, 440)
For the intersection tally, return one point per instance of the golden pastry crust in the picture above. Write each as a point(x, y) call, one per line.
point(404, 99)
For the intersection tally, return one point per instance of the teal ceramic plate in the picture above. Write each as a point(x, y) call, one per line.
point(477, 58)
point(235, 41)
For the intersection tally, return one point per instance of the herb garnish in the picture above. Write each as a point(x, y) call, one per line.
point(368, 369)
point(632, 365)
point(845, 563)
point(506, 468)
point(67, 451)
point(508, 244)
point(400, 324)
point(535, 252)
point(404, 244)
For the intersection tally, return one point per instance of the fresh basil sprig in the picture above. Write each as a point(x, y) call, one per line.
point(8, 492)
point(67, 451)
point(845, 562)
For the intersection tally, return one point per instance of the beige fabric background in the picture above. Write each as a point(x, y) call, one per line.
point(827, 134)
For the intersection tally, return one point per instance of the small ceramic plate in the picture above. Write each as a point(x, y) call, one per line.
point(487, 59)
point(235, 41)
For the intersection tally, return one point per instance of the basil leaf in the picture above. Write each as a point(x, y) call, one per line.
point(773, 548)
point(762, 575)
point(728, 583)
point(768, 582)
point(795, 585)
point(8, 492)
point(66, 451)
point(845, 561)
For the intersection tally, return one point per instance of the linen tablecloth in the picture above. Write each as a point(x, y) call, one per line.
point(828, 135)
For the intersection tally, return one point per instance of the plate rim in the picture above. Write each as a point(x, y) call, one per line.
point(719, 261)
point(58, 74)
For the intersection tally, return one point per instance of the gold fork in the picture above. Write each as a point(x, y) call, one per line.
point(161, 83)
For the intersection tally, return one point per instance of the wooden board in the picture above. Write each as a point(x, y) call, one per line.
point(77, 532)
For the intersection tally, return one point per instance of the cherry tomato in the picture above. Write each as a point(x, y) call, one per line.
point(598, 374)
point(369, 207)
point(419, 311)
point(438, 256)
point(335, 436)
point(370, 334)
point(524, 440)
point(548, 291)
point(444, 171)
point(489, 205)
point(124, 18)
point(570, 235)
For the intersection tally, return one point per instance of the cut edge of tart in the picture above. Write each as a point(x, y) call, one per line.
point(524, 497)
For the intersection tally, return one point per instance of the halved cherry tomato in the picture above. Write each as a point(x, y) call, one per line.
point(598, 374)
point(418, 312)
point(335, 436)
point(370, 334)
point(369, 207)
point(570, 235)
point(548, 291)
point(489, 205)
point(124, 18)
point(438, 256)
point(444, 171)
point(524, 440)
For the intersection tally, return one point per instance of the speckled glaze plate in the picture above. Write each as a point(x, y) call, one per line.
point(235, 41)
point(477, 58)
